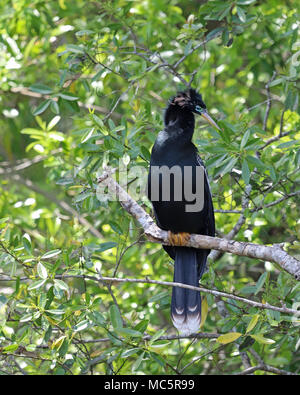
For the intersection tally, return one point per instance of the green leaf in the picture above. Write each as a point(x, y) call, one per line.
point(226, 132)
point(10, 348)
point(75, 49)
point(276, 82)
point(241, 14)
point(58, 342)
point(227, 167)
point(51, 254)
point(128, 353)
point(214, 33)
point(33, 132)
point(87, 135)
point(42, 107)
point(42, 271)
point(40, 88)
point(84, 32)
point(157, 335)
point(228, 337)
point(273, 173)
point(291, 99)
point(115, 317)
point(260, 282)
point(129, 332)
point(106, 246)
point(142, 326)
point(188, 47)
point(245, 172)
point(81, 326)
point(252, 323)
point(53, 122)
point(204, 310)
point(224, 13)
point(245, 2)
point(13, 269)
point(145, 152)
point(82, 196)
point(65, 181)
point(158, 296)
point(26, 317)
point(158, 358)
point(262, 340)
point(248, 290)
point(27, 243)
point(68, 96)
point(36, 285)
point(287, 144)
point(138, 362)
point(54, 107)
point(245, 138)
point(61, 285)
point(56, 312)
point(215, 161)
point(255, 161)
point(160, 344)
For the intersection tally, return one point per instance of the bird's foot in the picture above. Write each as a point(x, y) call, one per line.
point(178, 239)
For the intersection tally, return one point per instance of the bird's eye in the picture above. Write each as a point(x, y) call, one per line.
point(198, 109)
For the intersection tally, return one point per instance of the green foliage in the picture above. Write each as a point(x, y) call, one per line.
point(84, 85)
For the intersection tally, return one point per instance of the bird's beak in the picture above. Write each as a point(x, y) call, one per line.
point(209, 119)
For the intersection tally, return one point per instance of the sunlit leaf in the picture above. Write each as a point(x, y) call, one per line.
point(261, 339)
point(252, 323)
point(50, 254)
point(228, 337)
point(42, 271)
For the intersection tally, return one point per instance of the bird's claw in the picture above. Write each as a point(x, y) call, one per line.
point(178, 239)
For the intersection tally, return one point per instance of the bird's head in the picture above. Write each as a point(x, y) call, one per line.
point(191, 100)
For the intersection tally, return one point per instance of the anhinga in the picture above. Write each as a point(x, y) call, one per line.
point(174, 147)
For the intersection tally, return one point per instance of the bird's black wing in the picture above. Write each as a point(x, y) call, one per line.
point(209, 229)
point(210, 218)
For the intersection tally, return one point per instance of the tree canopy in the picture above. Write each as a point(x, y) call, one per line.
point(83, 87)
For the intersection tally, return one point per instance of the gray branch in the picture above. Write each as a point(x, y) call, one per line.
point(266, 253)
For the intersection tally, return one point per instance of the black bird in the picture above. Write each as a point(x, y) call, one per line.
point(173, 153)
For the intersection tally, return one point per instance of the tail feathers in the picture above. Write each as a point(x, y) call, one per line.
point(186, 303)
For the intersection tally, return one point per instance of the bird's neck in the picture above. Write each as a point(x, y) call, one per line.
point(177, 119)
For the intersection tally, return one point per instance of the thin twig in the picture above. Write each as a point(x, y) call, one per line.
point(226, 295)
point(214, 292)
point(26, 92)
point(275, 138)
point(9, 167)
point(192, 50)
point(266, 368)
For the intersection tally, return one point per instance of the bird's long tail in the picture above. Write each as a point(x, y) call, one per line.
point(186, 303)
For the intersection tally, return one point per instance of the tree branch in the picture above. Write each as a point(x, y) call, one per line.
point(192, 50)
point(266, 368)
point(26, 92)
point(203, 290)
point(155, 234)
point(9, 167)
point(202, 335)
point(219, 294)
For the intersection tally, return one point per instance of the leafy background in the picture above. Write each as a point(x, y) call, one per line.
point(84, 85)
